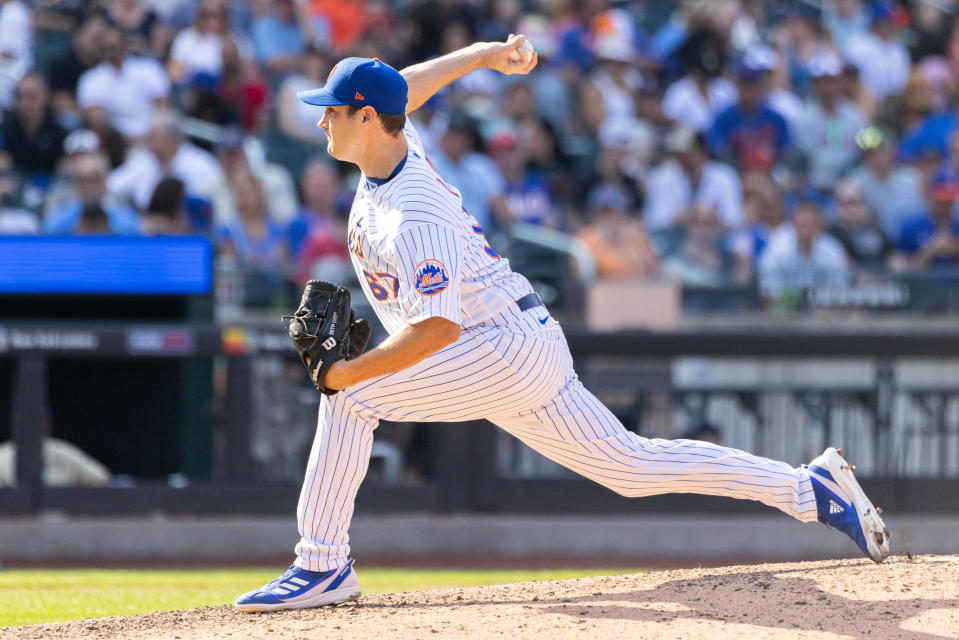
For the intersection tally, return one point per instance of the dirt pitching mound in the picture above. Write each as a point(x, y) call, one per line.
point(903, 598)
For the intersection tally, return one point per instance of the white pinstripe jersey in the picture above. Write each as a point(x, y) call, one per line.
point(419, 254)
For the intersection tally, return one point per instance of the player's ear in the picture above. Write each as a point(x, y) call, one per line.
point(369, 115)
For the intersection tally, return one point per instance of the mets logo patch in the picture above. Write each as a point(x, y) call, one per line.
point(430, 277)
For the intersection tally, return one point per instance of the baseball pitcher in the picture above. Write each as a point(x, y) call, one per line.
point(470, 339)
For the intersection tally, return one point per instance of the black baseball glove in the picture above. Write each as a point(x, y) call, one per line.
point(324, 331)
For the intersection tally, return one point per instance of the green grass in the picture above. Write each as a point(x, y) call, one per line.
point(36, 596)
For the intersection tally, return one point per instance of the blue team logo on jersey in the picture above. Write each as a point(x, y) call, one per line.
point(430, 277)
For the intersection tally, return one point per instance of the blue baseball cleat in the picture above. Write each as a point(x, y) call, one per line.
point(301, 589)
point(843, 505)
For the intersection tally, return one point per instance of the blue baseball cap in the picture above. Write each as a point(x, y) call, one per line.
point(361, 82)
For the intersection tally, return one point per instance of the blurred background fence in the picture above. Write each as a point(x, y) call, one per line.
point(174, 444)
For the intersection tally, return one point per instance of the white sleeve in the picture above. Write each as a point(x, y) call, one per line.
point(772, 264)
point(282, 192)
point(899, 70)
point(158, 84)
point(87, 91)
point(835, 261)
point(429, 260)
point(180, 50)
point(661, 199)
point(16, 32)
point(731, 200)
point(770, 281)
point(671, 105)
point(413, 137)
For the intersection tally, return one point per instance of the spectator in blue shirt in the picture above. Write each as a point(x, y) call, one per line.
point(251, 237)
point(750, 134)
point(278, 38)
point(949, 168)
point(932, 239)
point(254, 242)
point(929, 136)
point(103, 212)
point(525, 192)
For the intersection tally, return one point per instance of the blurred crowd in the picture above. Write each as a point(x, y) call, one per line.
point(784, 145)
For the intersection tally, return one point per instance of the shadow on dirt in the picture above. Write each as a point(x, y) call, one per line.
point(771, 599)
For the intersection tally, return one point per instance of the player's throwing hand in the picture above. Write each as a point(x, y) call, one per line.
point(515, 56)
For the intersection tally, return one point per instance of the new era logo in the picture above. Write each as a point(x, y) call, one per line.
point(835, 507)
point(359, 96)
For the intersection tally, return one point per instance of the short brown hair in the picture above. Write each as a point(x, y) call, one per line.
point(392, 123)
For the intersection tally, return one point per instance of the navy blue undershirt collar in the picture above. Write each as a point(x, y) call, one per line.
point(372, 183)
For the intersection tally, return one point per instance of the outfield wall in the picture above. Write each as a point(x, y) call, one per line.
point(52, 540)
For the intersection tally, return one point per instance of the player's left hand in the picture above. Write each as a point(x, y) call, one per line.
point(508, 57)
point(335, 379)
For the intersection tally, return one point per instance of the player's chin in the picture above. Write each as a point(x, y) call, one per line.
point(331, 150)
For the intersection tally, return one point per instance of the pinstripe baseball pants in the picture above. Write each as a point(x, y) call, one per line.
point(518, 374)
